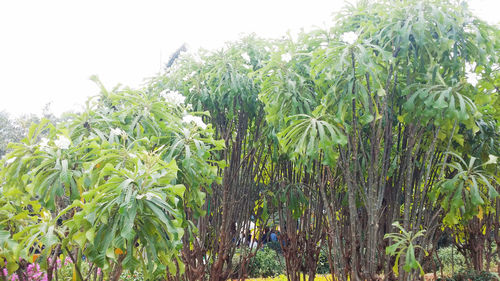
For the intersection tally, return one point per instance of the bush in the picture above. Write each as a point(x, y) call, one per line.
point(275, 246)
point(266, 263)
point(448, 260)
point(323, 266)
point(471, 275)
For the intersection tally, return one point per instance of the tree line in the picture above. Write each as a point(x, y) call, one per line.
point(373, 139)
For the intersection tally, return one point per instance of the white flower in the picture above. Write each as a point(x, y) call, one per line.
point(189, 76)
point(189, 106)
point(62, 142)
point(44, 142)
point(246, 66)
point(286, 57)
point(148, 196)
point(10, 160)
point(118, 132)
point(246, 57)
point(472, 78)
point(196, 119)
point(174, 97)
point(349, 37)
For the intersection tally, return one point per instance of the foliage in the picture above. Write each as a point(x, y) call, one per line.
point(472, 275)
point(13, 129)
point(266, 263)
point(111, 182)
point(404, 244)
point(379, 99)
point(449, 260)
point(323, 264)
point(333, 135)
point(467, 190)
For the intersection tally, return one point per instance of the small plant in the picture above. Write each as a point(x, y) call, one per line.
point(404, 244)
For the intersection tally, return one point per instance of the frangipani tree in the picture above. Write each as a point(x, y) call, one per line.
point(379, 98)
point(222, 83)
point(110, 185)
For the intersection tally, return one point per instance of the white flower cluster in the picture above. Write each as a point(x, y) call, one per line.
point(118, 132)
point(62, 142)
point(349, 37)
point(148, 196)
point(189, 76)
point(246, 57)
point(472, 77)
point(44, 142)
point(286, 57)
point(173, 97)
point(196, 119)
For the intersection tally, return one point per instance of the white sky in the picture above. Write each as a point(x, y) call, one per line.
point(49, 49)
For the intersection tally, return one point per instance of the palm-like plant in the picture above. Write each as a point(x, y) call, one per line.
point(404, 243)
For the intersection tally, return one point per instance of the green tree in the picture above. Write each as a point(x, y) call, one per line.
point(108, 184)
point(379, 98)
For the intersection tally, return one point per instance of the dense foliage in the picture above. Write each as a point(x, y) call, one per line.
point(358, 146)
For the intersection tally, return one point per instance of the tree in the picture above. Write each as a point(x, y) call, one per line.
point(108, 185)
point(220, 83)
point(382, 95)
point(13, 129)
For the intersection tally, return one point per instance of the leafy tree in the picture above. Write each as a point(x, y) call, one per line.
point(13, 129)
point(108, 185)
point(221, 84)
point(379, 98)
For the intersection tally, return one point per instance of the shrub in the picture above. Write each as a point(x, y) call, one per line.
point(275, 246)
point(471, 275)
point(323, 266)
point(448, 260)
point(266, 263)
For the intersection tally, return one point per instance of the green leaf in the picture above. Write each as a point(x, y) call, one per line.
point(80, 238)
point(90, 235)
point(178, 189)
point(110, 253)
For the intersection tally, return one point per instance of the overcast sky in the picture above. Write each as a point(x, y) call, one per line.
point(49, 49)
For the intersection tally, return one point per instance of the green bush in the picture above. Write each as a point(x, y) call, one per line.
point(448, 260)
point(266, 263)
point(275, 246)
point(323, 266)
point(471, 275)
